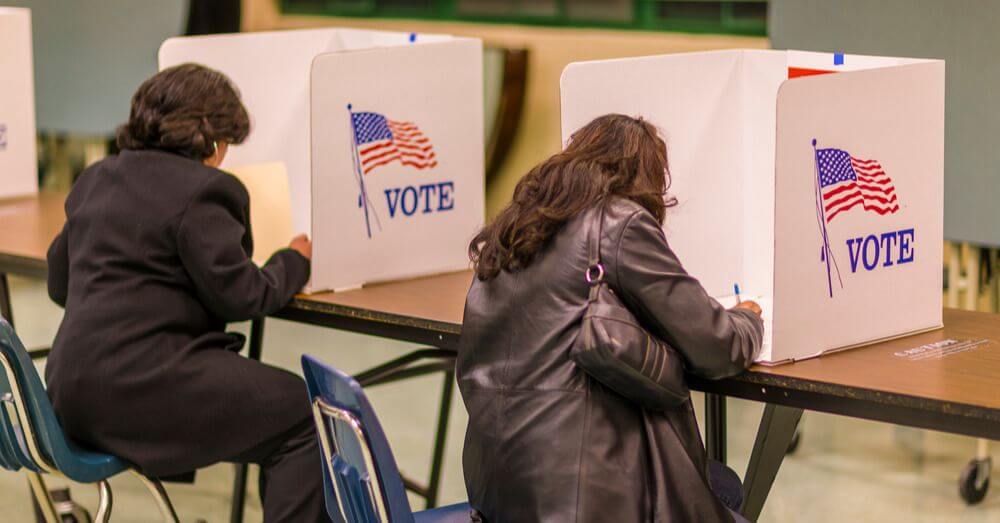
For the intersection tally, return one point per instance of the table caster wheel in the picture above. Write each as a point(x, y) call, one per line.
point(794, 444)
point(975, 480)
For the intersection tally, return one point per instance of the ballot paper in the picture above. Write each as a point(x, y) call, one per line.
point(270, 207)
point(766, 305)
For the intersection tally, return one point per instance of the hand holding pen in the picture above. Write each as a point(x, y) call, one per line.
point(749, 305)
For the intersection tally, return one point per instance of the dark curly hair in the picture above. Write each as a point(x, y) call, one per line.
point(186, 109)
point(614, 155)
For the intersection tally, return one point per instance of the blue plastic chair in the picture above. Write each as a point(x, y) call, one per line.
point(31, 438)
point(363, 484)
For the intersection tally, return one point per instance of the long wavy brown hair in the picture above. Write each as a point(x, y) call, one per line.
point(614, 155)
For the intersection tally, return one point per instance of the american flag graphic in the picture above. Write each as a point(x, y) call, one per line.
point(381, 141)
point(847, 182)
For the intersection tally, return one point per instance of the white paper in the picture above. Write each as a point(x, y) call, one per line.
point(766, 307)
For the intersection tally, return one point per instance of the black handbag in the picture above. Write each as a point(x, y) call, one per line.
point(616, 350)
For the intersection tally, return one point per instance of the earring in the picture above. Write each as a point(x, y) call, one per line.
point(215, 147)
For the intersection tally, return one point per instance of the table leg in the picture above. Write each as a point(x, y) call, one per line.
point(434, 482)
point(240, 479)
point(715, 427)
point(777, 427)
point(5, 309)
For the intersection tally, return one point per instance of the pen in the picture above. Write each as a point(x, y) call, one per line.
point(736, 291)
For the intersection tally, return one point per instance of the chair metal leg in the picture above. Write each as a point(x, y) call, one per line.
point(105, 500)
point(160, 495)
point(43, 498)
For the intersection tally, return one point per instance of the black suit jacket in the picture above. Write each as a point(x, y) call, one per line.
point(154, 259)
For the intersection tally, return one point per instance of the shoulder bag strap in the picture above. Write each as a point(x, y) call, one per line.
point(595, 270)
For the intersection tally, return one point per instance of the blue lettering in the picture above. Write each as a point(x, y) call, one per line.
point(872, 248)
point(855, 254)
point(412, 208)
point(870, 240)
point(425, 193)
point(887, 238)
point(392, 200)
point(428, 198)
point(905, 249)
point(446, 196)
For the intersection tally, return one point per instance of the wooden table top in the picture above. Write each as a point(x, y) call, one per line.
point(952, 381)
point(27, 227)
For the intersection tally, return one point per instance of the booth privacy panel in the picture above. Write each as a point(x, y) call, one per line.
point(397, 172)
point(694, 100)
point(18, 157)
point(271, 70)
point(859, 215)
point(747, 178)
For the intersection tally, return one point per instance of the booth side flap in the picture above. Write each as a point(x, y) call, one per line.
point(859, 172)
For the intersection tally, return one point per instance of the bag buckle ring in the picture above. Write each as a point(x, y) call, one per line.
point(591, 277)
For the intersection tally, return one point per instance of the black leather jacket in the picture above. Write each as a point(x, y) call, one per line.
point(545, 441)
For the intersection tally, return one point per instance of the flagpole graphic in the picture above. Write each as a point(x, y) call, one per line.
point(363, 201)
point(825, 254)
point(377, 141)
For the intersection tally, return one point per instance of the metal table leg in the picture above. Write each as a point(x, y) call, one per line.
point(434, 482)
point(777, 427)
point(240, 480)
point(715, 427)
point(5, 309)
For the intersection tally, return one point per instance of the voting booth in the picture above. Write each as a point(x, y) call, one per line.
point(813, 181)
point(380, 134)
point(18, 148)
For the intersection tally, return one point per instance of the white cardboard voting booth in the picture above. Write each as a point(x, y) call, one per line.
point(819, 194)
point(18, 156)
point(381, 135)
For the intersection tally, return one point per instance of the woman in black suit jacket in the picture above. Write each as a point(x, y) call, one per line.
point(152, 263)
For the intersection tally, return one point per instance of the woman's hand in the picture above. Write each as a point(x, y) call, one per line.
point(302, 245)
point(750, 306)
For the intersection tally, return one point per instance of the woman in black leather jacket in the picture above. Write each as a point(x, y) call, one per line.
point(546, 441)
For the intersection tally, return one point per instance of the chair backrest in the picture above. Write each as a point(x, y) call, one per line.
point(362, 480)
point(20, 388)
point(30, 434)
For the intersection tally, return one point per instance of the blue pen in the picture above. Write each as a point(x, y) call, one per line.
point(736, 291)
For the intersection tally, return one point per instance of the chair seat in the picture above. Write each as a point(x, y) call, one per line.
point(87, 466)
point(457, 513)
